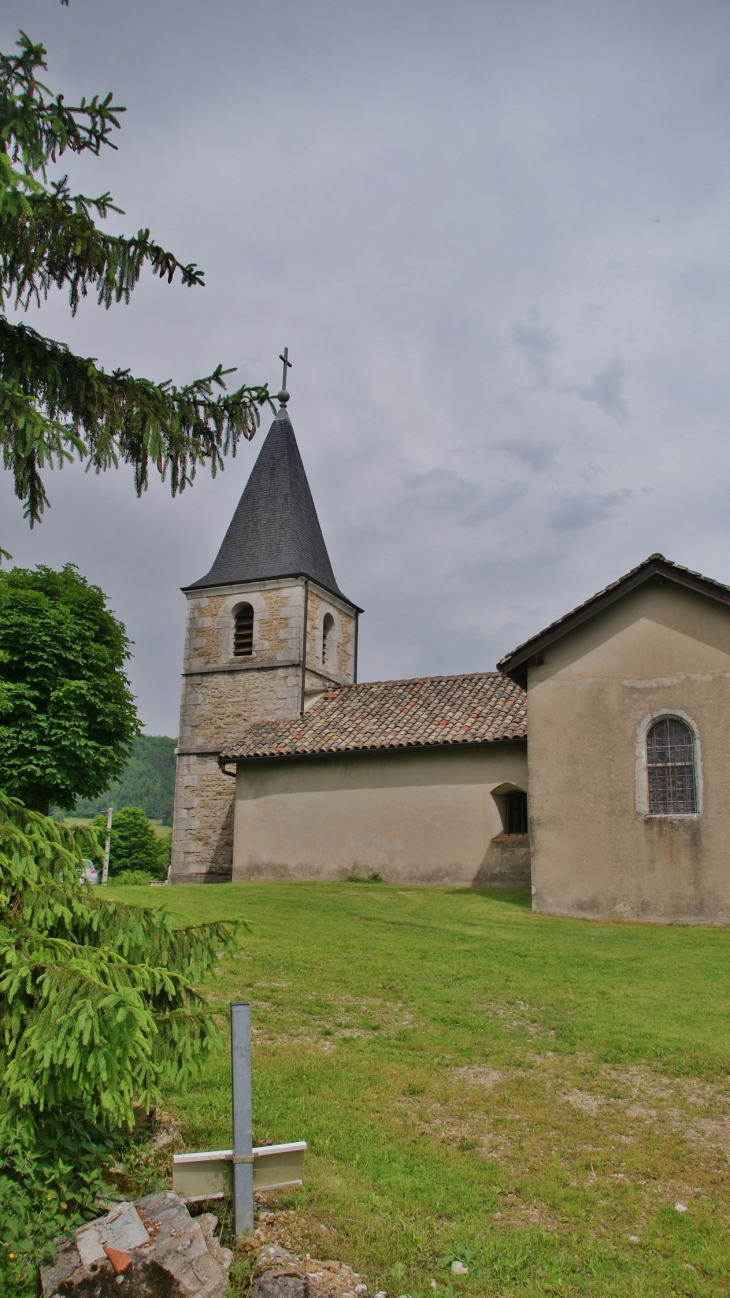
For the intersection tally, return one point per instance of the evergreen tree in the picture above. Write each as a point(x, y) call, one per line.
point(54, 405)
point(98, 1013)
point(67, 714)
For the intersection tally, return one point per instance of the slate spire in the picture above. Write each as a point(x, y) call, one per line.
point(275, 531)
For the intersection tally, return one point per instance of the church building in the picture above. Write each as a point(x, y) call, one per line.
point(591, 765)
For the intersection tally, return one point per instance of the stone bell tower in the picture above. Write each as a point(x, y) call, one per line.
point(268, 630)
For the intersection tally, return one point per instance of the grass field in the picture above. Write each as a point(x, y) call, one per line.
point(161, 830)
point(470, 1076)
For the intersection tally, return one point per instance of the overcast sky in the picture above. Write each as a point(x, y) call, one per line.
point(495, 237)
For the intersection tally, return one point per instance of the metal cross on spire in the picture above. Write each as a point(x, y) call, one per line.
point(287, 366)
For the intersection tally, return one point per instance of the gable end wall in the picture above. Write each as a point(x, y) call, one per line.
point(660, 650)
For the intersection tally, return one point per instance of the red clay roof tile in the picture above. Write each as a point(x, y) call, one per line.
point(381, 715)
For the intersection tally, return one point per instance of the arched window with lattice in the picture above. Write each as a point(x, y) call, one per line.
point(327, 628)
point(243, 631)
point(671, 768)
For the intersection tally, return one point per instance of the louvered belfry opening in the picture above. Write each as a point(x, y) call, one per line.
point(670, 759)
point(515, 812)
point(327, 626)
point(243, 632)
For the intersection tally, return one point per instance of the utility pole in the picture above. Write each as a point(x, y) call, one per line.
point(107, 845)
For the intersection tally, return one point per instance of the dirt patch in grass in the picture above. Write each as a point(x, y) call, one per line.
point(474, 1075)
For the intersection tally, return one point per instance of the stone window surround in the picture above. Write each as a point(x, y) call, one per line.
point(226, 621)
point(334, 639)
point(641, 775)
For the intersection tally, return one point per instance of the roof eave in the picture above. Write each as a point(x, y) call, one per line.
point(227, 758)
point(515, 665)
point(279, 576)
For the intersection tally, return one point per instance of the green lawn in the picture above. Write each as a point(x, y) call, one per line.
point(470, 1075)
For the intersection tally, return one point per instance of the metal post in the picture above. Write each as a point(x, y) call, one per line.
point(107, 845)
point(242, 1121)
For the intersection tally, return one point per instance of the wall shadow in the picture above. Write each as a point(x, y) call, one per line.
point(506, 863)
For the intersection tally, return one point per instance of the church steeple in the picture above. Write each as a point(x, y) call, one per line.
point(275, 530)
point(268, 632)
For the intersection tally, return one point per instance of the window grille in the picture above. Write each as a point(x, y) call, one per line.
point(327, 626)
point(243, 632)
point(515, 812)
point(670, 759)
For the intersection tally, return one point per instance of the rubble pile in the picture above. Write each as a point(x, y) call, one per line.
point(151, 1248)
point(281, 1274)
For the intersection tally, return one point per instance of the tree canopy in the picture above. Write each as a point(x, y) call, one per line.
point(134, 844)
point(56, 406)
point(147, 781)
point(67, 715)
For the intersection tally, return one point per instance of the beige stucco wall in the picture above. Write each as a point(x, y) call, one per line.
point(221, 694)
point(595, 852)
point(427, 817)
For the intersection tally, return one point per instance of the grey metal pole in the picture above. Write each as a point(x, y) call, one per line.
point(242, 1121)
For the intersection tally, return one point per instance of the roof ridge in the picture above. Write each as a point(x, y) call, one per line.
point(656, 560)
point(409, 680)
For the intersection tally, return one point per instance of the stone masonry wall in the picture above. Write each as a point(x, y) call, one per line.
point(221, 694)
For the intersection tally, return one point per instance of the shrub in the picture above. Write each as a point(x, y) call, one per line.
point(134, 843)
point(98, 1013)
point(133, 879)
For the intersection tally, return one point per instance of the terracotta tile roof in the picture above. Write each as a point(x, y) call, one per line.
point(514, 664)
point(428, 712)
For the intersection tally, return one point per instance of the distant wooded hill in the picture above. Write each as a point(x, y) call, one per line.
point(148, 782)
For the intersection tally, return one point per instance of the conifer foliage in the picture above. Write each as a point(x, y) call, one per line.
point(98, 1012)
point(54, 405)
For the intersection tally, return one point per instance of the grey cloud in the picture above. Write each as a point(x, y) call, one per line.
point(607, 390)
point(579, 511)
point(445, 495)
point(538, 345)
point(444, 489)
point(537, 454)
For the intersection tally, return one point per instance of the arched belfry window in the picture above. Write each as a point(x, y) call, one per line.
point(243, 631)
point(670, 760)
point(327, 627)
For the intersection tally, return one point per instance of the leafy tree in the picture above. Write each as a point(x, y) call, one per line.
point(98, 1013)
point(54, 405)
point(67, 715)
point(134, 844)
point(147, 781)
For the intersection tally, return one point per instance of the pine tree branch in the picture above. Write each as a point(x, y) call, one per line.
point(56, 406)
point(51, 240)
point(36, 130)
